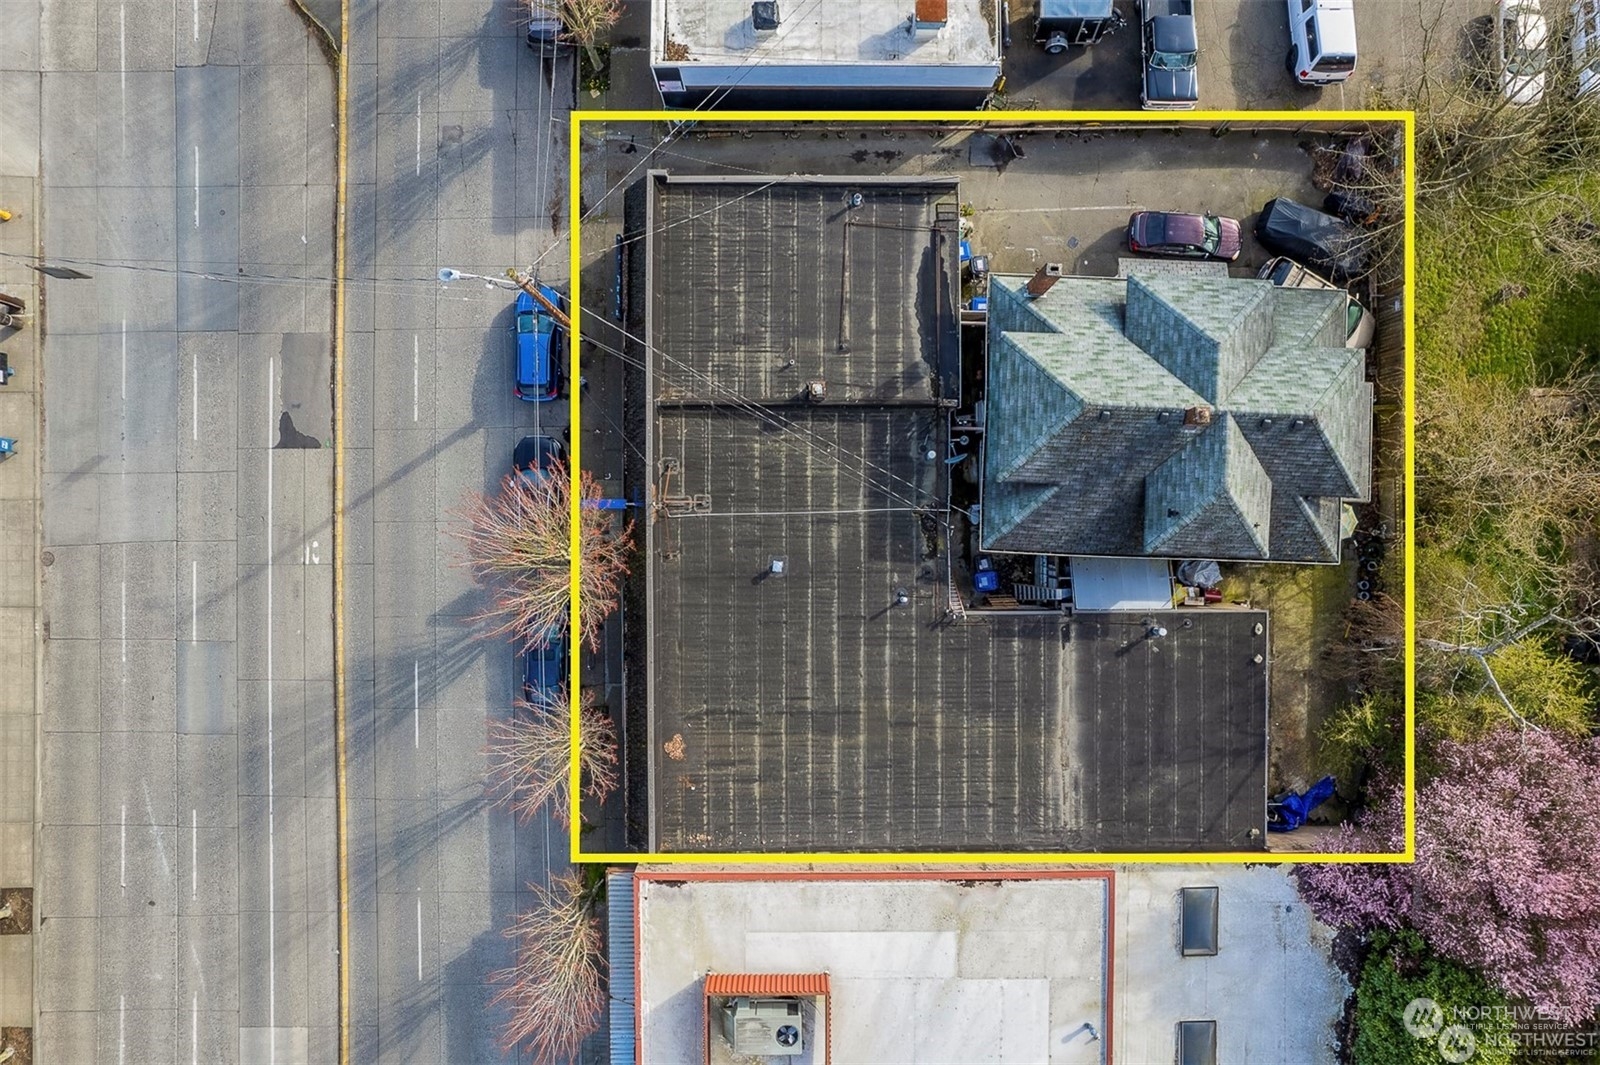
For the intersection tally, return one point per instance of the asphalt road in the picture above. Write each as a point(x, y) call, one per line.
point(187, 885)
point(458, 158)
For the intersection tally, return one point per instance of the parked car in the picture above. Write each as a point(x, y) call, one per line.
point(535, 456)
point(544, 668)
point(1586, 45)
point(1169, 46)
point(1328, 245)
point(1521, 49)
point(1322, 41)
point(540, 347)
point(545, 28)
point(1286, 273)
point(1196, 236)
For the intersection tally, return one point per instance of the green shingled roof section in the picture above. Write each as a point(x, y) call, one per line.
point(1309, 318)
point(1208, 331)
point(1216, 482)
point(1100, 367)
point(1325, 385)
point(1011, 310)
point(1294, 399)
point(1005, 506)
point(1027, 405)
point(1249, 487)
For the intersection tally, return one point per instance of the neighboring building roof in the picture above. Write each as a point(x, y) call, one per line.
point(766, 984)
point(947, 966)
point(721, 33)
point(926, 970)
point(806, 711)
point(1172, 415)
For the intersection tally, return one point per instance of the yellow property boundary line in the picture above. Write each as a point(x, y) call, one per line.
point(959, 121)
point(341, 788)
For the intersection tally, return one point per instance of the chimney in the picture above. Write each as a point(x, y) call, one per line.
point(1196, 419)
point(764, 18)
point(929, 18)
point(1040, 283)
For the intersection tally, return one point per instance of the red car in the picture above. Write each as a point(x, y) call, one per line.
point(1194, 236)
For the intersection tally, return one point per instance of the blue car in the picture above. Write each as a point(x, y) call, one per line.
point(541, 344)
point(544, 668)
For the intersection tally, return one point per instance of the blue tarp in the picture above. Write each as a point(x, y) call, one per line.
point(1291, 811)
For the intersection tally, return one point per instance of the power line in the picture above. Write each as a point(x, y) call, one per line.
point(680, 126)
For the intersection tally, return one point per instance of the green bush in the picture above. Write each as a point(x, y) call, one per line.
point(1369, 731)
point(1400, 970)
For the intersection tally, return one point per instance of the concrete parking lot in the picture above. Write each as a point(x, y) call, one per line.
point(1067, 200)
point(1242, 49)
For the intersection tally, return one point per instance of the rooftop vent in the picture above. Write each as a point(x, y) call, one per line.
point(816, 391)
point(929, 18)
point(764, 17)
point(1196, 419)
point(1042, 281)
point(765, 1026)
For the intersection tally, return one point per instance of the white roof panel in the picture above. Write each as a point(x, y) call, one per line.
point(1123, 584)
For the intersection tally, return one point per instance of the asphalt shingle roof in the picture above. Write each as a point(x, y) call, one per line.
point(1095, 467)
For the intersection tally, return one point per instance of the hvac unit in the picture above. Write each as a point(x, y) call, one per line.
point(769, 1026)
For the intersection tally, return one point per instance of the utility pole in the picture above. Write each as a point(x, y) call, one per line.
point(526, 284)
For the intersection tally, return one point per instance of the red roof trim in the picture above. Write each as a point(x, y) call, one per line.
point(766, 984)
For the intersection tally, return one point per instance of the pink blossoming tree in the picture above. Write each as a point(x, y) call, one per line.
point(1507, 873)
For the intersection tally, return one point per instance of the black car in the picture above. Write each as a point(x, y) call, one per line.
point(1326, 244)
point(535, 455)
point(1170, 47)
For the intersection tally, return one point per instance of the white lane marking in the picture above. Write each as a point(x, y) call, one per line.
point(124, 615)
point(419, 936)
point(272, 838)
point(197, 19)
point(122, 1029)
point(124, 363)
point(194, 397)
point(197, 186)
point(419, 134)
point(416, 703)
point(194, 1031)
point(194, 853)
point(416, 362)
point(124, 873)
point(194, 601)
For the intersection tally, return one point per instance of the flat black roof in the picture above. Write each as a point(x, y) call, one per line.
point(808, 711)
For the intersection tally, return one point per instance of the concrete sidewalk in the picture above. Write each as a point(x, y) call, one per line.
point(19, 578)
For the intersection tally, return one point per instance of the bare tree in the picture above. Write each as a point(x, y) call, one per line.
point(1476, 148)
point(531, 756)
point(553, 989)
point(519, 543)
point(1515, 466)
point(586, 21)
